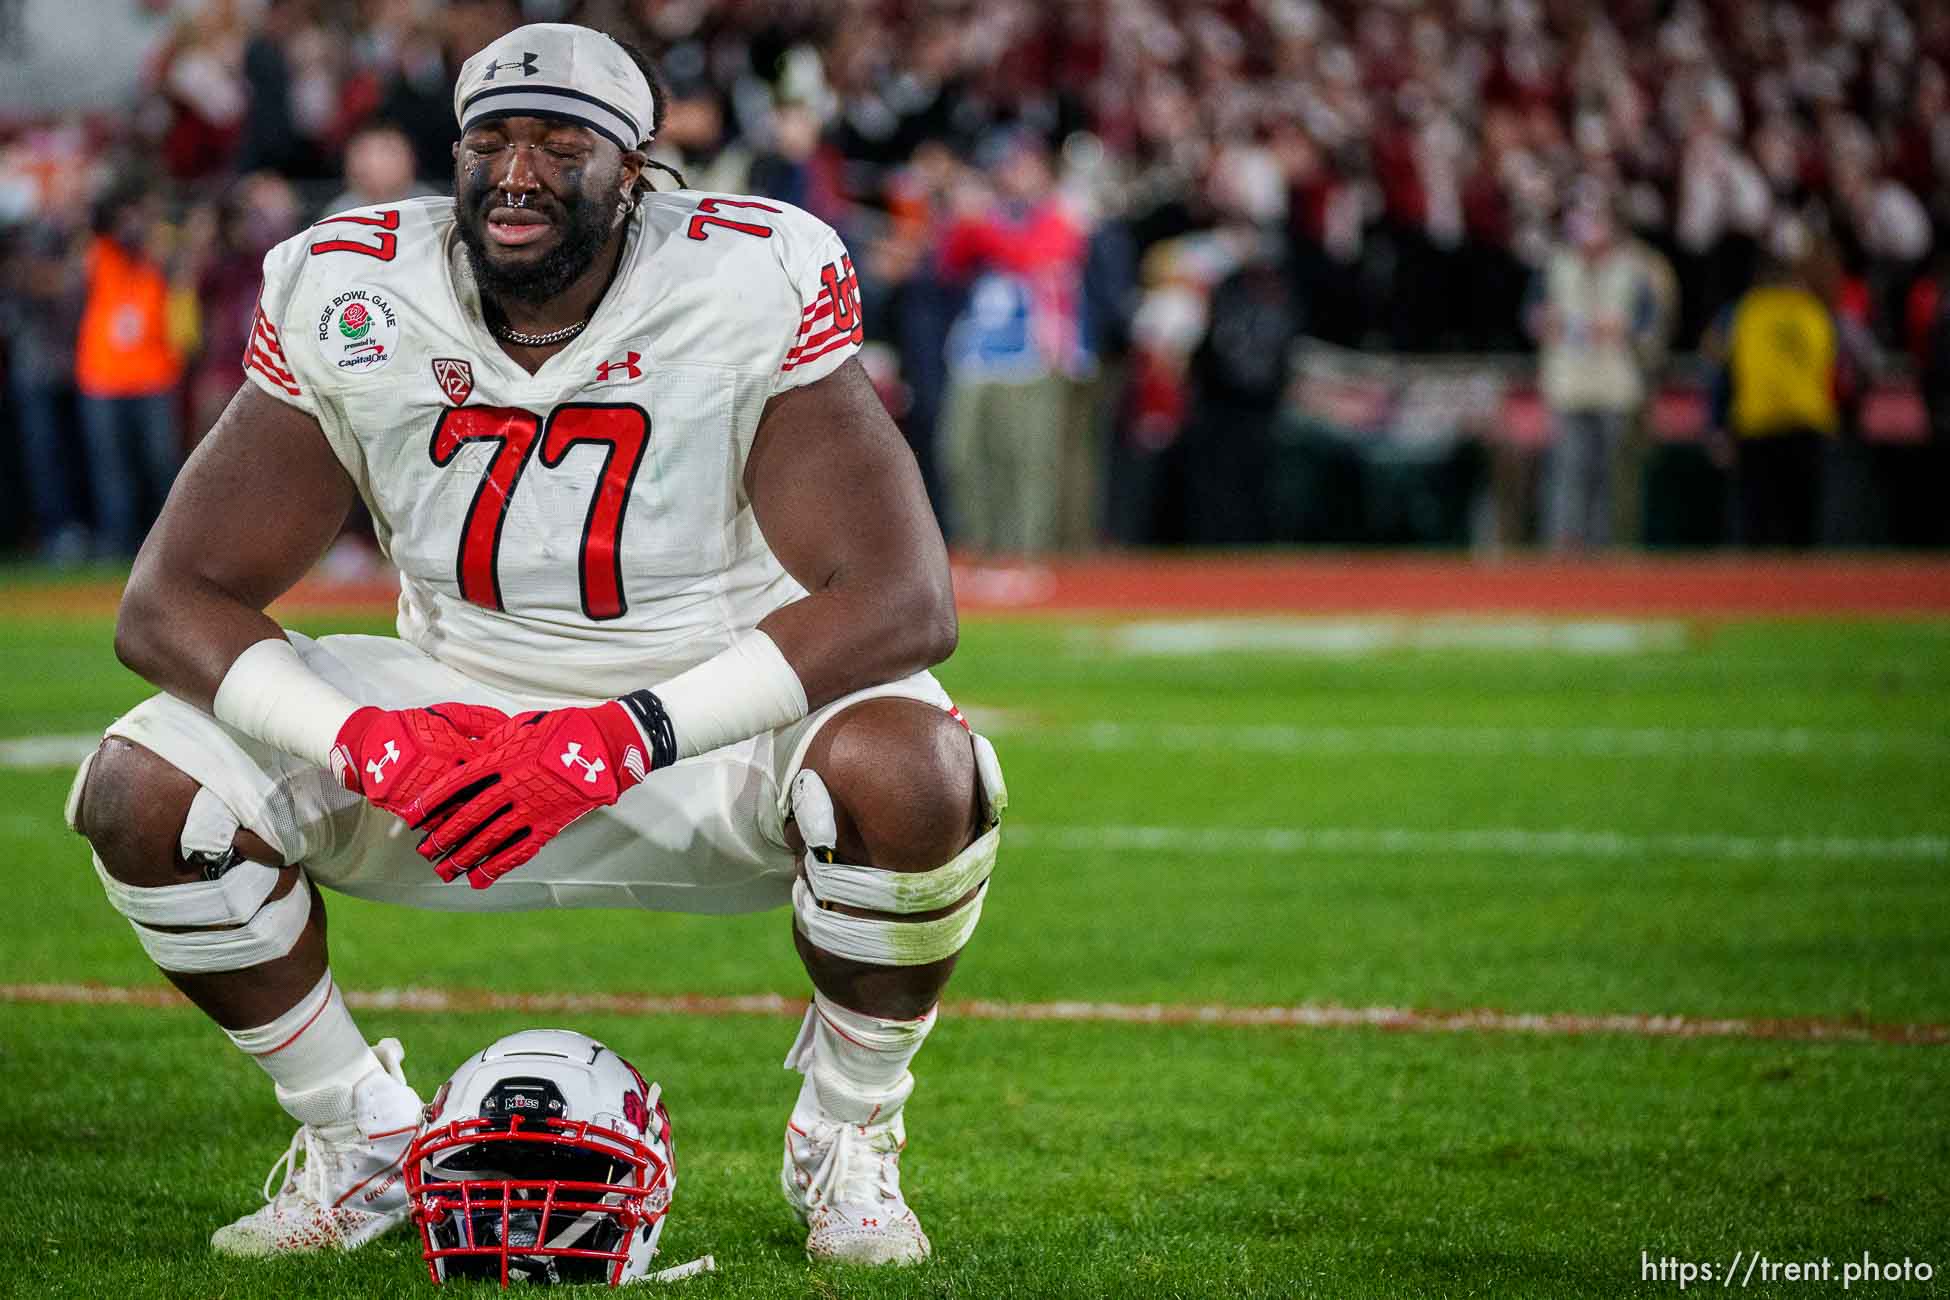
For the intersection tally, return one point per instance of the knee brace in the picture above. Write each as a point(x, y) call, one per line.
point(877, 940)
point(253, 931)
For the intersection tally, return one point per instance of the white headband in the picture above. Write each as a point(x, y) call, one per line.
point(558, 70)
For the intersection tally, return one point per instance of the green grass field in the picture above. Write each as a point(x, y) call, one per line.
point(1733, 820)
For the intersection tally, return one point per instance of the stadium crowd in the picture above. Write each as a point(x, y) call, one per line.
point(1088, 235)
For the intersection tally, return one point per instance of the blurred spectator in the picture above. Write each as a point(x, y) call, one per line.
point(227, 249)
point(128, 360)
point(379, 168)
point(694, 141)
point(201, 81)
point(1013, 352)
point(1780, 383)
point(919, 305)
point(40, 311)
point(290, 75)
point(1110, 304)
point(1654, 348)
point(1239, 372)
point(1933, 491)
point(1595, 313)
point(418, 97)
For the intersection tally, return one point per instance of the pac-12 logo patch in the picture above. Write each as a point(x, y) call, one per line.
point(358, 330)
point(455, 377)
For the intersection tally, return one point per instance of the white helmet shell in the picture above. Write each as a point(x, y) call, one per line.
point(546, 1157)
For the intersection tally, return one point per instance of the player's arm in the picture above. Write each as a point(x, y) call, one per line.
point(255, 506)
point(840, 500)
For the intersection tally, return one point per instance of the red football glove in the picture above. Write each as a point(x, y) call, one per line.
point(390, 756)
point(531, 778)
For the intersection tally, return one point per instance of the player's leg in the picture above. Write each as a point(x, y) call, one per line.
point(896, 806)
point(243, 936)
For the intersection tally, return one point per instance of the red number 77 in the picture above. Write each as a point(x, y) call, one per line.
point(698, 223)
point(388, 245)
point(623, 430)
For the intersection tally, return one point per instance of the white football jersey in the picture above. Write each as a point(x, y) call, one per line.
point(582, 531)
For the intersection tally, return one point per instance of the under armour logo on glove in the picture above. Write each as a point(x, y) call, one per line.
point(591, 769)
point(404, 750)
point(377, 769)
point(531, 778)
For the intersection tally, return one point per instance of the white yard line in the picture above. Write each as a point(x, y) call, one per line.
point(1357, 637)
point(1467, 741)
point(1306, 1016)
point(1383, 841)
point(23, 753)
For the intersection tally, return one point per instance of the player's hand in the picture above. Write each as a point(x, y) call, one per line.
point(531, 778)
point(391, 755)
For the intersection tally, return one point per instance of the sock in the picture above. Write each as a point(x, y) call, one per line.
point(856, 1063)
point(315, 1055)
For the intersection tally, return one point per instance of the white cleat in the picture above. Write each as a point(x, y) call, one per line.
point(343, 1183)
point(844, 1182)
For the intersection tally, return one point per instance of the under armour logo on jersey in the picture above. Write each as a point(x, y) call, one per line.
point(572, 757)
point(376, 768)
point(526, 63)
point(626, 368)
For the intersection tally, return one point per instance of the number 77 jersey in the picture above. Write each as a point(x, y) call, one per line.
point(581, 531)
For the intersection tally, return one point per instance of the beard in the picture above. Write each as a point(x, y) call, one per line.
point(582, 228)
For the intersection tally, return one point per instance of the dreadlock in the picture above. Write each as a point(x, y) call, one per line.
point(659, 102)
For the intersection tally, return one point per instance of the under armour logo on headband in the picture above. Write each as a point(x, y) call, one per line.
point(526, 64)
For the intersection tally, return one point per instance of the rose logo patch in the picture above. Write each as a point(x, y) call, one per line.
point(358, 331)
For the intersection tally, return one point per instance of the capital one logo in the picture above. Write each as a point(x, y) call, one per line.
point(572, 757)
point(376, 768)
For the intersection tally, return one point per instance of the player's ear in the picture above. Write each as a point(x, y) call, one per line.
point(632, 167)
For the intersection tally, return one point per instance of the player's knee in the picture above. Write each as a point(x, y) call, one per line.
point(898, 810)
point(902, 777)
point(202, 894)
point(131, 807)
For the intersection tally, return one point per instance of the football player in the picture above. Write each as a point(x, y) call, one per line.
point(669, 591)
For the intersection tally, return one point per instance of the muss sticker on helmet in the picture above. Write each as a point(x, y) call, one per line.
point(530, 1099)
point(358, 331)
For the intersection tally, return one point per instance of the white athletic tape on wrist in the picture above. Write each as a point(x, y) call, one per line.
point(231, 900)
point(744, 690)
point(268, 935)
point(881, 942)
point(271, 695)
